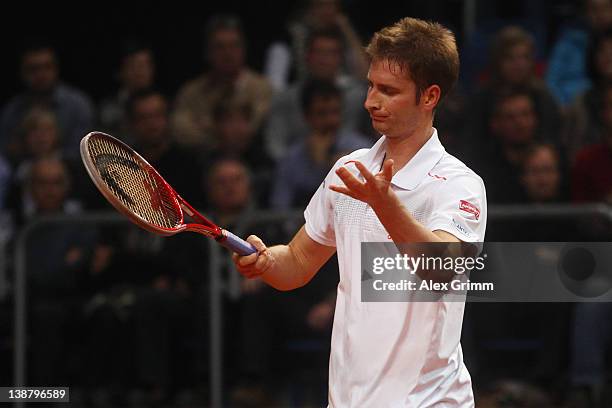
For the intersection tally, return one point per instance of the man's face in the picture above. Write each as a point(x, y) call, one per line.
point(42, 139)
point(324, 58)
point(49, 186)
point(39, 70)
point(516, 67)
point(323, 13)
point(515, 120)
point(150, 121)
point(137, 70)
point(235, 132)
point(325, 115)
point(391, 100)
point(541, 176)
point(228, 187)
point(226, 52)
point(599, 14)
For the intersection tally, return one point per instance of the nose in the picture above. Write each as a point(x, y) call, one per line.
point(372, 101)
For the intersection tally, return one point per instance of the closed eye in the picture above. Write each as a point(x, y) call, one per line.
point(388, 90)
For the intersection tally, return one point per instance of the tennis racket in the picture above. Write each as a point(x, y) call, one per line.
point(137, 190)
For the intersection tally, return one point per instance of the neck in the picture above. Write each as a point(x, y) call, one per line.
point(403, 149)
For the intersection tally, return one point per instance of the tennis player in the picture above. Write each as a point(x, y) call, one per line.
point(405, 188)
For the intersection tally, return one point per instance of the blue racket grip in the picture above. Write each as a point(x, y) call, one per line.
point(236, 244)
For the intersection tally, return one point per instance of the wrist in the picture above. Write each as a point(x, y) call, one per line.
point(388, 204)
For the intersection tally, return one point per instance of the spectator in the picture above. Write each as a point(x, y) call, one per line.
point(307, 316)
point(585, 121)
point(141, 317)
point(57, 258)
point(73, 109)
point(287, 59)
point(512, 65)
point(39, 137)
point(136, 72)
point(590, 338)
point(228, 77)
point(46, 189)
point(307, 162)
point(148, 119)
point(512, 128)
point(286, 124)
point(228, 186)
point(592, 173)
point(236, 138)
point(567, 74)
point(542, 174)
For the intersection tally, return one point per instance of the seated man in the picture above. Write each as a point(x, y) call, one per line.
point(148, 123)
point(40, 73)
point(513, 127)
point(136, 72)
point(286, 124)
point(542, 176)
point(57, 271)
point(300, 172)
point(228, 75)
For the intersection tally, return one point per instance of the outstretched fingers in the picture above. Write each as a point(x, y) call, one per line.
point(369, 177)
point(387, 170)
point(342, 190)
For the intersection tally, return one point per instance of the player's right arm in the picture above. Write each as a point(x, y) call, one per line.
point(285, 267)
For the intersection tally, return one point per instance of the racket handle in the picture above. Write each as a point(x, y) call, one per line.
point(236, 244)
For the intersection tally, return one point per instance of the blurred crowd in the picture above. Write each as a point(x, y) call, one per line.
point(124, 314)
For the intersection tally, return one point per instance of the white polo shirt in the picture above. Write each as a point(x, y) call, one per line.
point(397, 354)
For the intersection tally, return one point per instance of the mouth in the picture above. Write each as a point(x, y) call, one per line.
point(378, 118)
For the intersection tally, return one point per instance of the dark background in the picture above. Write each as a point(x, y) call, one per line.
point(88, 36)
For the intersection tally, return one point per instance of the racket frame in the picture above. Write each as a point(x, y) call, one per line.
point(203, 225)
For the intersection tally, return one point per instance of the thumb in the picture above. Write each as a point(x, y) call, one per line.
point(257, 243)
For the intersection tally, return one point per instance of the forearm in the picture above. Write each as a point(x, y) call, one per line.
point(401, 226)
point(288, 270)
point(412, 238)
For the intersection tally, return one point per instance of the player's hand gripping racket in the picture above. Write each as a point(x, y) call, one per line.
point(137, 190)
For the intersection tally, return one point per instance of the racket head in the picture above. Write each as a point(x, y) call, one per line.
point(131, 184)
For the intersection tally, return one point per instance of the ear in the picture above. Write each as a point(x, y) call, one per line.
point(431, 97)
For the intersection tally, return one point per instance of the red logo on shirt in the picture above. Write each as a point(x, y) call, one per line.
point(436, 176)
point(469, 207)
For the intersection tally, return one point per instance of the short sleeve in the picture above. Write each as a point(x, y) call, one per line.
point(460, 208)
point(319, 213)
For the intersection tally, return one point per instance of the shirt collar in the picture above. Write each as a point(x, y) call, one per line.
point(411, 175)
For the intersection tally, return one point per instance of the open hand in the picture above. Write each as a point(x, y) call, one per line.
point(374, 191)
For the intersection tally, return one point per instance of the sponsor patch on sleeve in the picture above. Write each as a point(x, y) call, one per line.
point(463, 229)
point(469, 208)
